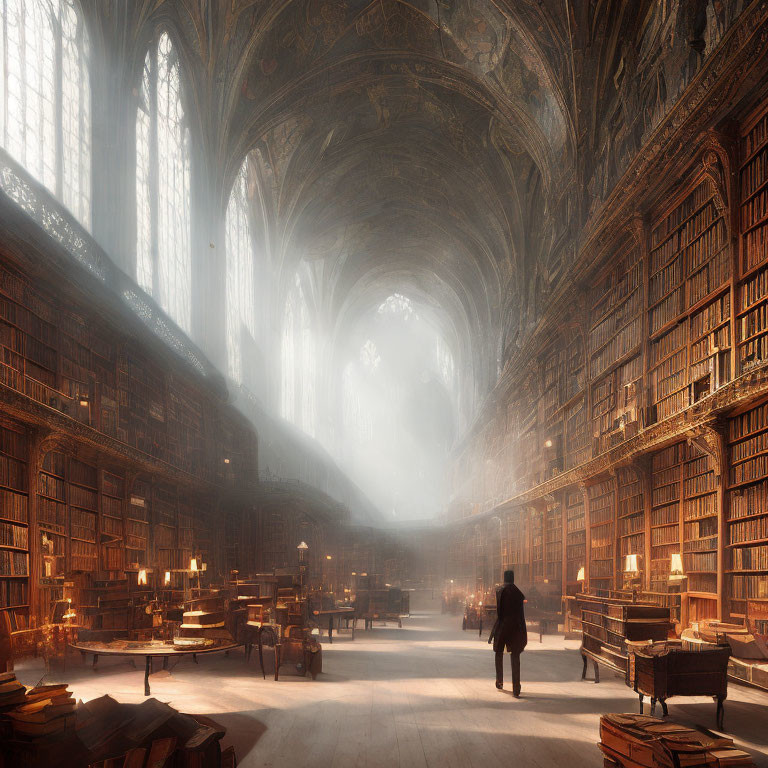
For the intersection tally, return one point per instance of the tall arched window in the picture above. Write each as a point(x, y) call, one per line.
point(163, 261)
point(45, 97)
point(298, 391)
point(241, 311)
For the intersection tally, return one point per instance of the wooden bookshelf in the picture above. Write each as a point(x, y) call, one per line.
point(689, 302)
point(747, 508)
point(614, 344)
point(575, 538)
point(553, 543)
point(602, 534)
point(15, 537)
point(752, 315)
point(666, 494)
point(631, 516)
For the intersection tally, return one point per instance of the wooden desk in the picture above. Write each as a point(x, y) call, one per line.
point(150, 650)
point(336, 613)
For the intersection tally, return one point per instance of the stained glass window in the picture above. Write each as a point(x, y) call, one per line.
point(163, 260)
point(241, 311)
point(45, 97)
point(298, 393)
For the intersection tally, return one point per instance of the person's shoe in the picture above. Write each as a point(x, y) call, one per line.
point(499, 686)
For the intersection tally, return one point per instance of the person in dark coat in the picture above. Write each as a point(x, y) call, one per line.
point(509, 631)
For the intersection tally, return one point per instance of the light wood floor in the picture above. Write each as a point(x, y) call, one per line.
point(423, 695)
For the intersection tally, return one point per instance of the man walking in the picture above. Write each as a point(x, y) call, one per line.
point(509, 631)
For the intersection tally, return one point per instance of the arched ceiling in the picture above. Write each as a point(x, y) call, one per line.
point(448, 147)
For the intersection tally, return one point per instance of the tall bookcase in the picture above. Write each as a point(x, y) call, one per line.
point(689, 302)
point(747, 523)
point(666, 490)
point(536, 533)
point(602, 534)
point(613, 345)
point(631, 516)
point(575, 538)
point(112, 522)
point(15, 537)
point(553, 543)
point(752, 316)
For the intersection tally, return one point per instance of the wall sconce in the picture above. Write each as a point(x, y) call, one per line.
point(354, 573)
point(167, 578)
point(547, 443)
point(84, 401)
point(193, 565)
point(329, 557)
point(226, 461)
point(141, 579)
point(363, 574)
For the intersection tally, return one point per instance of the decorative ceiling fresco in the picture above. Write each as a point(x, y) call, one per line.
point(451, 147)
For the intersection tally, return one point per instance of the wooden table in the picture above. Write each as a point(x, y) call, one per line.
point(336, 613)
point(150, 650)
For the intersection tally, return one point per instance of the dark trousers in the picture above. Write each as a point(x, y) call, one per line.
point(515, 659)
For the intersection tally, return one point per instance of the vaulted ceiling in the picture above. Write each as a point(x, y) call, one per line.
point(447, 147)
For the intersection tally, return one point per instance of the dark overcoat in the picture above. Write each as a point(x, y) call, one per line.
point(509, 632)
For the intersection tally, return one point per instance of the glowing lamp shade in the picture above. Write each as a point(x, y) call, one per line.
point(329, 557)
point(167, 578)
point(630, 564)
point(303, 545)
point(580, 574)
point(547, 443)
point(676, 564)
point(193, 564)
point(142, 578)
point(204, 567)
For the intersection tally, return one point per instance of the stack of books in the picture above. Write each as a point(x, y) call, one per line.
point(640, 741)
point(44, 711)
point(12, 692)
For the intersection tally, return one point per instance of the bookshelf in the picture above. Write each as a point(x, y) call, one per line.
point(747, 509)
point(631, 516)
point(602, 530)
point(689, 302)
point(137, 523)
point(575, 538)
point(752, 315)
point(536, 533)
point(666, 491)
point(553, 543)
point(112, 523)
point(613, 345)
point(15, 536)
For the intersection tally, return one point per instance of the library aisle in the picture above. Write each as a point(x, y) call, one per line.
point(419, 696)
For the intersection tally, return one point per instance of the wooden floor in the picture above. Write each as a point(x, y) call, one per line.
point(423, 695)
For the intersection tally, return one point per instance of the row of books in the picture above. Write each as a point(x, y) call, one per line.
point(669, 375)
point(665, 280)
point(706, 247)
point(751, 469)
point(687, 230)
point(13, 592)
point(752, 446)
point(622, 314)
point(709, 278)
point(631, 545)
point(52, 487)
point(755, 210)
point(755, 247)
point(620, 283)
point(753, 352)
point(698, 196)
point(753, 322)
point(13, 473)
point(699, 484)
point(711, 316)
point(627, 339)
point(755, 173)
point(14, 535)
point(754, 529)
point(13, 443)
point(700, 545)
point(670, 342)
point(83, 474)
point(700, 507)
point(699, 561)
point(13, 563)
point(744, 586)
point(601, 569)
point(601, 514)
point(709, 345)
point(667, 534)
point(748, 422)
point(667, 310)
point(666, 515)
point(703, 528)
point(753, 558)
point(756, 137)
point(631, 505)
point(13, 506)
point(51, 511)
point(665, 495)
point(697, 465)
point(750, 500)
point(19, 313)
